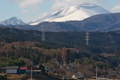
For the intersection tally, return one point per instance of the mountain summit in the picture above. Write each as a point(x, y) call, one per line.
point(12, 21)
point(72, 13)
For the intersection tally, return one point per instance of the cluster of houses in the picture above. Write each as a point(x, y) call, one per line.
point(36, 70)
point(28, 70)
point(20, 70)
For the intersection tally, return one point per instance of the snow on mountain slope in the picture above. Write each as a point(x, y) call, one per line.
point(12, 21)
point(73, 13)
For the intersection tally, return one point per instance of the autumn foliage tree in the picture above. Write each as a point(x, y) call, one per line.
point(64, 55)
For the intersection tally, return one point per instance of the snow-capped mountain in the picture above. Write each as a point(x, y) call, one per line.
point(69, 13)
point(12, 21)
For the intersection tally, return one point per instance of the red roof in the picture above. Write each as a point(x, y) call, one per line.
point(29, 68)
point(23, 68)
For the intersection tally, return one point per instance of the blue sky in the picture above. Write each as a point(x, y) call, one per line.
point(30, 10)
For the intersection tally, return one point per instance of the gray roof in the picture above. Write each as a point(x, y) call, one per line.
point(10, 67)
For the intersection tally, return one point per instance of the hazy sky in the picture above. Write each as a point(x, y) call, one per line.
point(28, 10)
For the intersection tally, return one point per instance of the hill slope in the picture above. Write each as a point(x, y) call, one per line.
point(58, 39)
point(104, 22)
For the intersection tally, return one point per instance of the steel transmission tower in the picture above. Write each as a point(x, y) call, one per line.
point(87, 38)
point(43, 34)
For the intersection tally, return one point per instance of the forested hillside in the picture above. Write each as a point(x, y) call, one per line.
point(24, 47)
point(61, 39)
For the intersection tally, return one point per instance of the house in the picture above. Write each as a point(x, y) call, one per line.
point(31, 67)
point(77, 75)
point(19, 70)
point(28, 69)
point(22, 70)
point(10, 69)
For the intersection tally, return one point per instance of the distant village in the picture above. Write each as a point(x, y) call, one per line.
point(62, 71)
point(65, 72)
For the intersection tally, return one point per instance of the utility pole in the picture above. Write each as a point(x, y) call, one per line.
point(96, 73)
point(68, 72)
point(31, 72)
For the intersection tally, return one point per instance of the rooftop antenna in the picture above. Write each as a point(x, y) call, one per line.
point(43, 34)
point(87, 38)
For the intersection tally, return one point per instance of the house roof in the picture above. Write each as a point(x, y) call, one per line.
point(10, 67)
point(23, 68)
point(29, 68)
